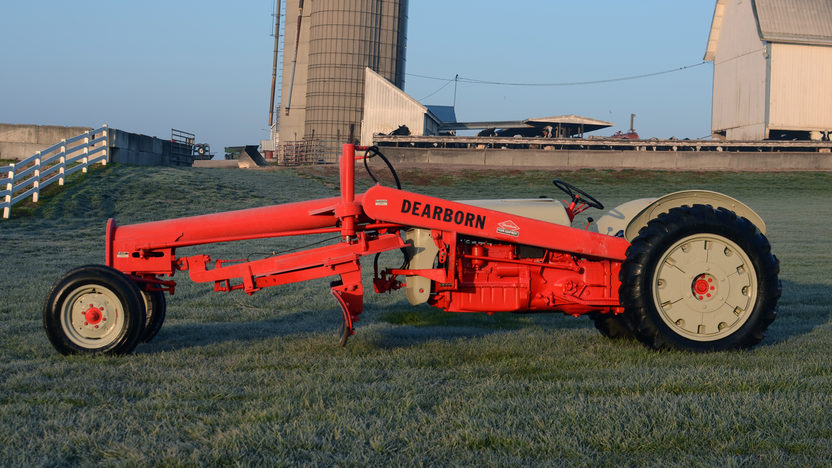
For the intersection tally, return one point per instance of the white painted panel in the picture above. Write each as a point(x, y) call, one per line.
point(740, 92)
point(739, 98)
point(739, 34)
point(801, 87)
point(746, 132)
point(386, 107)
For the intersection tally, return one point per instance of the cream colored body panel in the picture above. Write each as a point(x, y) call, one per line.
point(422, 251)
point(543, 209)
point(615, 221)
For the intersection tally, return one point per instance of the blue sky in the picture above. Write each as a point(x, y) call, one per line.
point(205, 66)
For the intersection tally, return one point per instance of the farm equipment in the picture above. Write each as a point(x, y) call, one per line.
point(691, 270)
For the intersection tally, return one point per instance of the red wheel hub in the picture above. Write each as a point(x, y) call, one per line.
point(704, 287)
point(93, 315)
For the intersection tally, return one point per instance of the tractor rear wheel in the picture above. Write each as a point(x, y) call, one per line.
point(94, 309)
point(612, 326)
point(155, 307)
point(700, 279)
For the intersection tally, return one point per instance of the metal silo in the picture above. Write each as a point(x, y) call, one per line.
point(345, 36)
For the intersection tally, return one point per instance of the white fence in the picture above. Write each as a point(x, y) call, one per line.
point(27, 177)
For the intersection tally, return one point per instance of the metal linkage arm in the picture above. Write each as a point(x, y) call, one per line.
point(316, 263)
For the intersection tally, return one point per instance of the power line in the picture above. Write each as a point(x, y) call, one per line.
point(429, 77)
point(566, 83)
point(440, 89)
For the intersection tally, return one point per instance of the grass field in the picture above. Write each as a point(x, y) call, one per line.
point(260, 380)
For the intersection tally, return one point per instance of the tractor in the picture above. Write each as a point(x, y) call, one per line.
point(690, 271)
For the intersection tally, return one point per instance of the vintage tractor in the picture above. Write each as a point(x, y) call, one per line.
point(691, 270)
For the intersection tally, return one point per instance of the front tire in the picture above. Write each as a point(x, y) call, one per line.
point(94, 310)
point(700, 279)
point(156, 308)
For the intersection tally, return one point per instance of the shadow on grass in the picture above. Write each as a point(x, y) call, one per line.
point(802, 309)
point(403, 326)
point(191, 335)
point(422, 324)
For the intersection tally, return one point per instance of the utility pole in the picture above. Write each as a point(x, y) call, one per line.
point(456, 82)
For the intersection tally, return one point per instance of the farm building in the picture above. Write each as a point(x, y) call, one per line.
point(772, 69)
point(386, 107)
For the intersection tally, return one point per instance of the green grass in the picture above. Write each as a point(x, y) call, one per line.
point(260, 380)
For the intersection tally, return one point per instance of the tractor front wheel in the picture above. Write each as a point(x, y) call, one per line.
point(700, 279)
point(155, 307)
point(94, 309)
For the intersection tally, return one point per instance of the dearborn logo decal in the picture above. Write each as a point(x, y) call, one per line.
point(439, 213)
point(508, 228)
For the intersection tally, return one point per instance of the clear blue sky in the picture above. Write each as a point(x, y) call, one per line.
point(204, 66)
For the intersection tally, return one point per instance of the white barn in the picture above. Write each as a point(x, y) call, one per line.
point(772, 69)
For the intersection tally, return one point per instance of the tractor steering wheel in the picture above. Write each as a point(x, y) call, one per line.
point(577, 195)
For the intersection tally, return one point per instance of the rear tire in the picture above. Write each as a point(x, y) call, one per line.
point(700, 279)
point(94, 309)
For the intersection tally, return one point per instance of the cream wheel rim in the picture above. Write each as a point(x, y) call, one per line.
point(92, 316)
point(704, 287)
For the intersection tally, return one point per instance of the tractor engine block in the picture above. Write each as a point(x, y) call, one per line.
point(494, 277)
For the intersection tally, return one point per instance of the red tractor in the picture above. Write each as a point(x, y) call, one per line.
point(691, 270)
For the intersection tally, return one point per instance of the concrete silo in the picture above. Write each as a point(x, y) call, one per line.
point(326, 48)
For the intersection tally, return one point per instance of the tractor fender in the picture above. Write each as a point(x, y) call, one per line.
point(628, 218)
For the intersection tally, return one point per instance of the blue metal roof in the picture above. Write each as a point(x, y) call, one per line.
point(443, 113)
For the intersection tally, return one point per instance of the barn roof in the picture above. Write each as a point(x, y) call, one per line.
point(789, 21)
point(798, 21)
point(569, 125)
point(443, 113)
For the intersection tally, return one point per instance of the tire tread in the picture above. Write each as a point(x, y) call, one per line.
point(636, 273)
